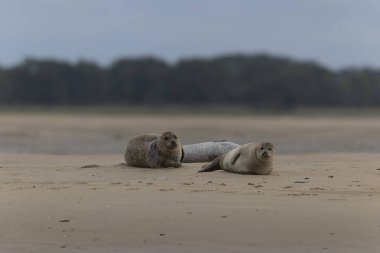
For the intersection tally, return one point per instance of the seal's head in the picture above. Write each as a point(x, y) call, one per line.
point(264, 151)
point(168, 141)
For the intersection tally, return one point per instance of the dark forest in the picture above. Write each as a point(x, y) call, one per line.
point(261, 81)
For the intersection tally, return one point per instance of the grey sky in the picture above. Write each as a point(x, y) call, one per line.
point(336, 33)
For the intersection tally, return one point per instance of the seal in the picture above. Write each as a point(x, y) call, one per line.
point(250, 158)
point(206, 151)
point(154, 151)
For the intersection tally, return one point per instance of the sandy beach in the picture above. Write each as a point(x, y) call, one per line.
point(64, 187)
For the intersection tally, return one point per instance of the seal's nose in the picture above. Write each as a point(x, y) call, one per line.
point(173, 144)
point(265, 154)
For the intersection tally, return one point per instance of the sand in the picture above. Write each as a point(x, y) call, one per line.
point(90, 202)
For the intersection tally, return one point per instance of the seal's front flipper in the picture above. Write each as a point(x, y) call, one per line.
point(182, 153)
point(214, 165)
point(236, 156)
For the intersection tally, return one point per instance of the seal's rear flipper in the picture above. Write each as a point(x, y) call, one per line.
point(214, 165)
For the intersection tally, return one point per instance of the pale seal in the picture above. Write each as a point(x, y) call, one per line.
point(154, 151)
point(206, 151)
point(250, 158)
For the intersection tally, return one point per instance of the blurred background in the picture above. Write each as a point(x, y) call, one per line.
point(222, 58)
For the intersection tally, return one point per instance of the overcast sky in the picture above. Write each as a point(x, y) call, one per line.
point(336, 33)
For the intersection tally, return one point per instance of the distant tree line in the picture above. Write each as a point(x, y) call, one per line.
point(256, 81)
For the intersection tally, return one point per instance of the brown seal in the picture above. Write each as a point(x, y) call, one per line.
point(154, 151)
point(250, 158)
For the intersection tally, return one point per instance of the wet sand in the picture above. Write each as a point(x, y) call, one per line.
point(313, 202)
point(108, 134)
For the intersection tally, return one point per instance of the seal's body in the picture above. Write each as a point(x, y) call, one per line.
point(206, 151)
point(154, 151)
point(250, 158)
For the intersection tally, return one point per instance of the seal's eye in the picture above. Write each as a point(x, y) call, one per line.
point(175, 137)
point(262, 148)
point(270, 149)
point(166, 138)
